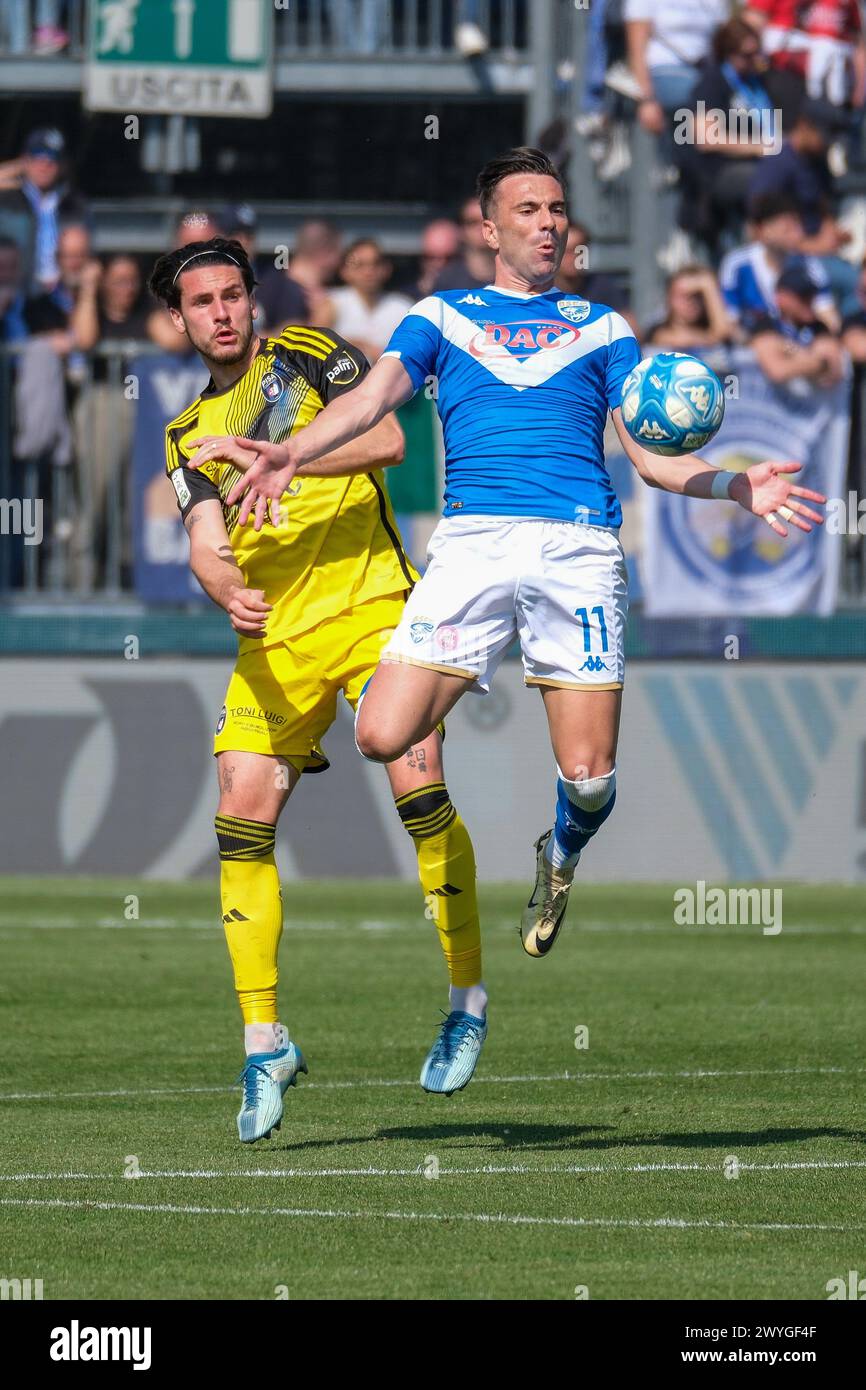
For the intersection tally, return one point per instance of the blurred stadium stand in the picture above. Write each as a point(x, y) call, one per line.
point(354, 82)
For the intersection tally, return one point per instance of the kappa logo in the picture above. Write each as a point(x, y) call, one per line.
point(420, 630)
point(575, 310)
point(651, 429)
point(472, 299)
point(594, 663)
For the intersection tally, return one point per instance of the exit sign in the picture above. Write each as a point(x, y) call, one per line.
point(180, 57)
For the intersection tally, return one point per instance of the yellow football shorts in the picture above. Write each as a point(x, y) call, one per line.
point(282, 699)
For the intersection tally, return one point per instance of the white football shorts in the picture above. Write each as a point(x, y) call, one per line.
point(558, 586)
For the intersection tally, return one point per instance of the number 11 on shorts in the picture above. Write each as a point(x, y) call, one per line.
point(587, 626)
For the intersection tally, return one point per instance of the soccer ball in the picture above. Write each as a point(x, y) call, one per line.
point(672, 403)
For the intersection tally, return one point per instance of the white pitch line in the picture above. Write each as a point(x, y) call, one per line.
point(478, 1080)
point(487, 1218)
point(9, 922)
point(418, 1170)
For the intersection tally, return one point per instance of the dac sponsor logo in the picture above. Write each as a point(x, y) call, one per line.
point(521, 339)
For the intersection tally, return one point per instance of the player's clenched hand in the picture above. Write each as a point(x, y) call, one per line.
point(248, 611)
point(765, 491)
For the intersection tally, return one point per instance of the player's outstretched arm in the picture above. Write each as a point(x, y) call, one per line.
point(268, 469)
point(216, 569)
point(764, 489)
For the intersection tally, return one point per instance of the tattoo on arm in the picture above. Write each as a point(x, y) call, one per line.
point(228, 778)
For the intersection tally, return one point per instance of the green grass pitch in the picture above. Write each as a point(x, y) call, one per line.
point(710, 1050)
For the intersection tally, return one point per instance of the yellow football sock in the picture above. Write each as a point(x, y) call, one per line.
point(446, 868)
point(252, 912)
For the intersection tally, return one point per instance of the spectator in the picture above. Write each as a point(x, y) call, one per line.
point(749, 275)
point(667, 41)
point(470, 39)
point(822, 44)
point(792, 343)
point(364, 312)
point(718, 162)
point(44, 315)
point(47, 38)
point(575, 276)
point(279, 298)
point(315, 265)
point(14, 327)
point(440, 244)
point(357, 26)
point(48, 314)
point(41, 201)
point(198, 224)
point(473, 268)
point(696, 314)
point(854, 324)
point(109, 309)
point(109, 305)
point(800, 170)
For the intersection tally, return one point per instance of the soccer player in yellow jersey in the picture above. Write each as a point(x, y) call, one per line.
point(313, 598)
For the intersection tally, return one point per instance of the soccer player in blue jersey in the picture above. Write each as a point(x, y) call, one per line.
point(524, 376)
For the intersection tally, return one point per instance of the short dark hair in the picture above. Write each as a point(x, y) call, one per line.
point(730, 36)
point(765, 206)
point(163, 281)
point(356, 246)
point(522, 160)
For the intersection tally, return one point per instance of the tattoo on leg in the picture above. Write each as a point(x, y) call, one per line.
point(417, 757)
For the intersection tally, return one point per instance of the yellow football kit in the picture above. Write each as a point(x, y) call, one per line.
point(336, 575)
point(334, 569)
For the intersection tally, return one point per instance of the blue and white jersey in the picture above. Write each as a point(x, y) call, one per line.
point(523, 385)
point(748, 281)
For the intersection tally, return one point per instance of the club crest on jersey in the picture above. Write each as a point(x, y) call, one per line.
point(575, 310)
point(272, 387)
point(521, 339)
point(220, 724)
point(420, 630)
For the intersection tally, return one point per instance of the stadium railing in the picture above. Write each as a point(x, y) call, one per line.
point(88, 506)
point(399, 29)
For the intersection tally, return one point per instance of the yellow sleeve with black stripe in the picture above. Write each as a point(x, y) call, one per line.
point(330, 364)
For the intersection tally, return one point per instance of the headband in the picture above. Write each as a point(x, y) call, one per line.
point(205, 253)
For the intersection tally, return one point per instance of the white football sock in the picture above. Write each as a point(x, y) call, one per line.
point(264, 1037)
point(470, 1000)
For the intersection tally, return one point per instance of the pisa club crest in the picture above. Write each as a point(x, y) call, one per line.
point(272, 387)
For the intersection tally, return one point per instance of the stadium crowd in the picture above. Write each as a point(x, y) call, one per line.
point(769, 264)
